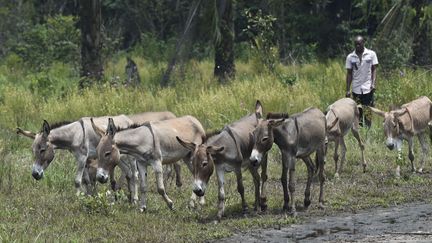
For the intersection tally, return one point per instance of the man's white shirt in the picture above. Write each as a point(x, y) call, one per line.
point(362, 71)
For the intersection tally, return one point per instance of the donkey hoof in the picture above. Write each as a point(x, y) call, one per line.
point(171, 206)
point(291, 213)
point(245, 210)
point(306, 204)
point(321, 205)
point(420, 171)
point(143, 209)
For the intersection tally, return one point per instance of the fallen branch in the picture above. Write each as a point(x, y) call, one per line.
point(409, 233)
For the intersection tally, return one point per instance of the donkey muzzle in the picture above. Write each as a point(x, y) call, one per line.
point(101, 176)
point(199, 188)
point(37, 175)
point(199, 192)
point(37, 172)
point(255, 158)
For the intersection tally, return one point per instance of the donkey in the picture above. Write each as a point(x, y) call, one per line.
point(297, 137)
point(227, 151)
point(342, 116)
point(73, 136)
point(411, 119)
point(77, 137)
point(151, 143)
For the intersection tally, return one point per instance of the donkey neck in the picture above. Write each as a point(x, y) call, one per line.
point(67, 136)
point(135, 141)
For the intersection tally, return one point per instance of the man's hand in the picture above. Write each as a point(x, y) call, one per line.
point(348, 94)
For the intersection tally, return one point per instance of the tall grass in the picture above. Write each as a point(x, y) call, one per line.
point(48, 210)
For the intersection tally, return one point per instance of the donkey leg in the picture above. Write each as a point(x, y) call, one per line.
point(240, 189)
point(343, 153)
point(157, 167)
point(142, 169)
point(256, 181)
point(220, 173)
point(356, 134)
point(81, 161)
point(134, 182)
point(264, 177)
point(177, 169)
point(307, 200)
point(321, 162)
point(127, 170)
point(336, 158)
point(284, 180)
point(425, 150)
point(291, 187)
point(411, 152)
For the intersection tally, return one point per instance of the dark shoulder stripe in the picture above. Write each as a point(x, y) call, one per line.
point(59, 124)
point(271, 115)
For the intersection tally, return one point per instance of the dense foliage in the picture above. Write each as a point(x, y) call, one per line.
point(42, 32)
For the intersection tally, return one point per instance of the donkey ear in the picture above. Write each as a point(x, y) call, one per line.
point(214, 149)
point(96, 129)
point(258, 109)
point(45, 129)
point(111, 129)
point(377, 111)
point(275, 123)
point(189, 145)
point(400, 112)
point(28, 134)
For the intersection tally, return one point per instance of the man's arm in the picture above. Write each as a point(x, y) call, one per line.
point(373, 72)
point(348, 82)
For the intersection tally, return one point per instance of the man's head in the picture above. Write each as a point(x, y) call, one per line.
point(359, 43)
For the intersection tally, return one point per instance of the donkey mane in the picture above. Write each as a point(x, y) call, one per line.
point(59, 124)
point(132, 126)
point(394, 107)
point(271, 115)
point(211, 134)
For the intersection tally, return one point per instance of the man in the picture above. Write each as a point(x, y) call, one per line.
point(361, 67)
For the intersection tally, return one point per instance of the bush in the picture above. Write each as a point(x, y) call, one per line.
point(56, 40)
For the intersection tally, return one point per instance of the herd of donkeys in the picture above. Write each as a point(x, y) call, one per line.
point(133, 142)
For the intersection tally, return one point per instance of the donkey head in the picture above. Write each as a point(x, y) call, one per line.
point(43, 150)
point(391, 125)
point(263, 139)
point(202, 164)
point(107, 152)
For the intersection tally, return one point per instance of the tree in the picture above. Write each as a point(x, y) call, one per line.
point(91, 44)
point(421, 45)
point(224, 42)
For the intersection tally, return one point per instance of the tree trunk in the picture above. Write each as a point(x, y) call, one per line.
point(91, 44)
point(224, 46)
point(421, 46)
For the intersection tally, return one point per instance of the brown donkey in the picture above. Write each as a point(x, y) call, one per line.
point(152, 143)
point(342, 116)
point(411, 119)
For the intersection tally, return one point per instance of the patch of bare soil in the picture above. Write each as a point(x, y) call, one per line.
point(404, 223)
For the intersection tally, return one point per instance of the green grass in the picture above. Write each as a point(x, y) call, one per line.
point(49, 210)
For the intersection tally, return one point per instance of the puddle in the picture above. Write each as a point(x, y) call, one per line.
point(397, 224)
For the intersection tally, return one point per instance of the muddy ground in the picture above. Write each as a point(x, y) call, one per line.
point(404, 223)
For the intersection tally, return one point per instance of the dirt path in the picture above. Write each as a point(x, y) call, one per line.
point(407, 223)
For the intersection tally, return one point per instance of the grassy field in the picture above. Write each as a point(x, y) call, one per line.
point(49, 210)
